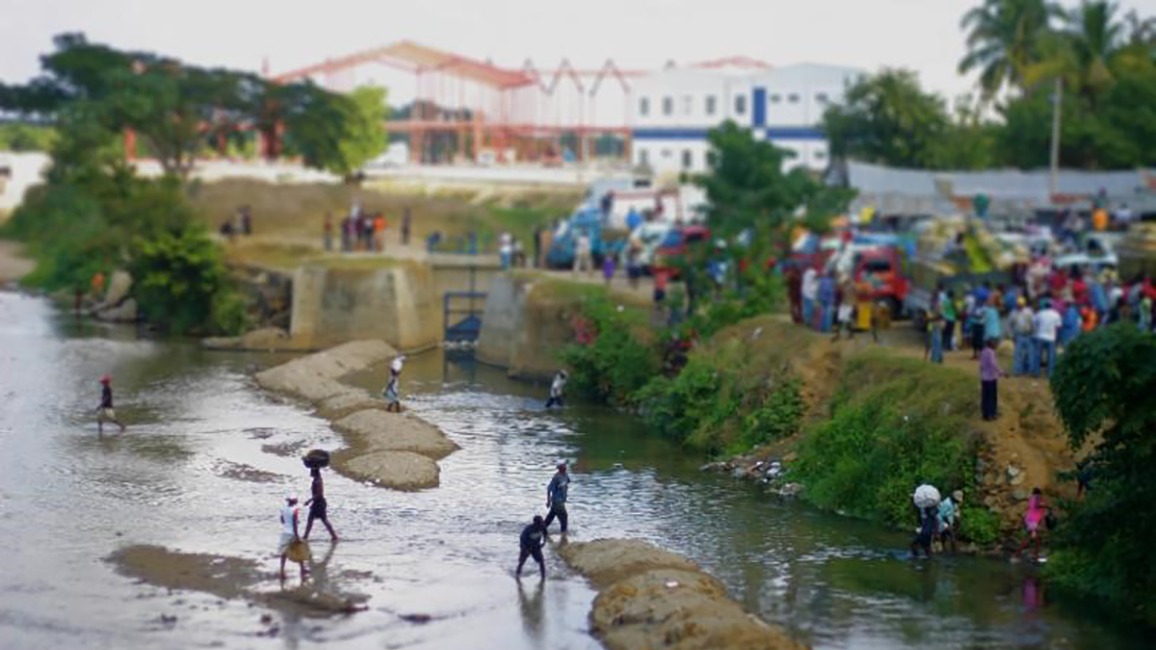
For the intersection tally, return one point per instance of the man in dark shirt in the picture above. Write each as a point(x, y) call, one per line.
point(104, 412)
point(318, 507)
point(531, 542)
point(556, 493)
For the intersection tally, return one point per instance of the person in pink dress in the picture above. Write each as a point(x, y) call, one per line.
point(1033, 519)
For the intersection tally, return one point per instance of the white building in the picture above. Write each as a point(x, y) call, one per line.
point(674, 109)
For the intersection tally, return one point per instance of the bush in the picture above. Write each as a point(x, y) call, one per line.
point(181, 284)
point(979, 526)
point(729, 398)
point(904, 423)
point(616, 363)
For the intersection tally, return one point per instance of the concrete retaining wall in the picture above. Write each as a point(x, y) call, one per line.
point(524, 327)
point(398, 305)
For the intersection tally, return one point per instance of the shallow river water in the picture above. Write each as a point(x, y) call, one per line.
point(208, 457)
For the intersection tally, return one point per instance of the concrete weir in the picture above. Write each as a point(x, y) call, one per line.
point(398, 304)
point(524, 326)
point(394, 450)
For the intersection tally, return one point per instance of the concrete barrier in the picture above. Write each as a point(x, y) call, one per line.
point(525, 326)
point(397, 304)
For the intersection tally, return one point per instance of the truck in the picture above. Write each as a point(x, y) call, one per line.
point(561, 253)
point(881, 267)
point(929, 275)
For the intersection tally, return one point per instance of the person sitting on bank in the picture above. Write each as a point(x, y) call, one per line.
point(556, 493)
point(557, 388)
point(104, 412)
point(532, 540)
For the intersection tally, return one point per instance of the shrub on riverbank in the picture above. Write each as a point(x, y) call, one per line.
point(612, 357)
point(895, 423)
point(733, 395)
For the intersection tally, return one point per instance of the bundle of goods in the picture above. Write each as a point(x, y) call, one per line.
point(316, 459)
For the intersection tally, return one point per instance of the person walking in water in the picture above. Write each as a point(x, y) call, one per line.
point(318, 506)
point(557, 388)
point(556, 493)
point(1036, 513)
point(531, 542)
point(290, 516)
point(392, 390)
point(104, 412)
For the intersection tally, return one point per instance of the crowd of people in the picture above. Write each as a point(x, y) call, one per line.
point(363, 231)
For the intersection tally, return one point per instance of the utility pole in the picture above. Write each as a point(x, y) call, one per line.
point(1057, 100)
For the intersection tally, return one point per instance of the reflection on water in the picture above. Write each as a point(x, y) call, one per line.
point(207, 458)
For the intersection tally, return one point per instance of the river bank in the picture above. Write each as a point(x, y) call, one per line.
point(13, 264)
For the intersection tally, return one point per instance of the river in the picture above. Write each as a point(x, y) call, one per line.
point(208, 457)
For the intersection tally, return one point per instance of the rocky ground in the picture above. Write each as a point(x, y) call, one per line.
point(394, 450)
point(652, 598)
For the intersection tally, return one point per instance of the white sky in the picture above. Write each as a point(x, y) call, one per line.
point(920, 34)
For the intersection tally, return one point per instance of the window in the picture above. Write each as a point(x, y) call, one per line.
point(821, 98)
point(711, 104)
point(667, 105)
point(820, 154)
point(741, 105)
point(644, 156)
point(775, 99)
point(793, 98)
point(687, 158)
point(877, 266)
point(644, 106)
point(687, 104)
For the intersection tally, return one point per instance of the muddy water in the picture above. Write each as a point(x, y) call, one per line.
point(208, 457)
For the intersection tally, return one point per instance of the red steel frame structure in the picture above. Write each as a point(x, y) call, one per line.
point(506, 108)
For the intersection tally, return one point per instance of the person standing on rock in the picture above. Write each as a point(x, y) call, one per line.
point(290, 516)
point(556, 493)
point(104, 412)
point(318, 506)
point(557, 388)
point(392, 390)
point(532, 540)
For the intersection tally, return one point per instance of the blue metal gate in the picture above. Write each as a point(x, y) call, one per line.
point(463, 323)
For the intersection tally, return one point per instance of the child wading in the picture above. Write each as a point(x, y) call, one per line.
point(392, 392)
point(104, 412)
point(1034, 518)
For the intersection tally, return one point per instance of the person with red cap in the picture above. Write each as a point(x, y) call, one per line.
point(104, 412)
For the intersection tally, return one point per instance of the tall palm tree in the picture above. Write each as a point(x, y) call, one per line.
point(1003, 38)
point(1095, 36)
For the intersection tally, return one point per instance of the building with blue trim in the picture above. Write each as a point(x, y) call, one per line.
point(674, 109)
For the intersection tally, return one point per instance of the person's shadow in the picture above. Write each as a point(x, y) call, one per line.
point(531, 606)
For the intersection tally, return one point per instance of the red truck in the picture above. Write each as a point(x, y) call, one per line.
point(676, 245)
point(882, 268)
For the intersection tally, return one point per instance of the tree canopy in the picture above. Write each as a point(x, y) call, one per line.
point(1102, 389)
point(178, 109)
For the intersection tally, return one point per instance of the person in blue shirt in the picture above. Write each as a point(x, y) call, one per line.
point(1071, 324)
point(633, 219)
point(556, 493)
point(991, 322)
point(982, 293)
point(827, 301)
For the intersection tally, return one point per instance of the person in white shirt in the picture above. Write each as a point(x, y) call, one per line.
point(290, 516)
point(557, 388)
point(810, 292)
point(582, 250)
point(1047, 324)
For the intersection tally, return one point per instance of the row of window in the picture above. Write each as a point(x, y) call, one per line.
point(688, 156)
point(710, 103)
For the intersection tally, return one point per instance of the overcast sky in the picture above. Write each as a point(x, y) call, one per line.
point(920, 34)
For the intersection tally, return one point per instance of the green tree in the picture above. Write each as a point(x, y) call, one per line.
point(364, 135)
point(887, 118)
point(1003, 39)
point(1102, 389)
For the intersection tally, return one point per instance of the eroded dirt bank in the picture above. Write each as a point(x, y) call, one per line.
point(394, 450)
point(651, 598)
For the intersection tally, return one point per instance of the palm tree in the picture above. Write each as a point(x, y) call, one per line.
point(1095, 36)
point(1003, 39)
